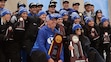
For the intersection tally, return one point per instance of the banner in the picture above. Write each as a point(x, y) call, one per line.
point(100, 4)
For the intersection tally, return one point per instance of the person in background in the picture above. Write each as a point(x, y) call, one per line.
point(98, 17)
point(88, 10)
point(90, 53)
point(105, 31)
point(39, 7)
point(42, 44)
point(75, 7)
point(66, 6)
point(51, 9)
point(92, 31)
point(33, 9)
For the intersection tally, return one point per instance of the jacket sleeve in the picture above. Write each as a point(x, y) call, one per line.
point(40, 41)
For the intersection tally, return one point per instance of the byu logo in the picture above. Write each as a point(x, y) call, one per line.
point(49, 40)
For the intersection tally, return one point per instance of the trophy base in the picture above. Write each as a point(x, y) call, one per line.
point(20, 29)
point(80, 61)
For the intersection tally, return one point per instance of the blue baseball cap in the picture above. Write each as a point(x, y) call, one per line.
point(51, 16)
point(63, 12)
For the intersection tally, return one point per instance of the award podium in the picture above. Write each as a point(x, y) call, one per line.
point(77, 53)
point(20, 24)
point(56, 47)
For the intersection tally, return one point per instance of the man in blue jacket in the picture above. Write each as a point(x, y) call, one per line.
point(45, 37)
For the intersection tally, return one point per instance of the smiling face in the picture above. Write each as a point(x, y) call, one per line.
point(99, 15)
point(33, 9)
point(52, 9)
point(66, 5)
point(52, 23)
point(77, 21)
point(2, 4)
point(7, 17)
point(59, 20)
point(24, 15)
point(39, 8)
point(91, 23)
point(88, 8)
point(78, 31)
point(105, 24)
point(76, 7)
point(43, 17)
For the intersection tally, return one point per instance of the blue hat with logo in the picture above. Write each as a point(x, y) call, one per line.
point(76, 26)
point(22, 9)
point(51, 16)
point(88, 19)
point(4, 12)
point(74, 16)
point(103, 19)
point(59, 16)
point(41, 13)
point(63, 12)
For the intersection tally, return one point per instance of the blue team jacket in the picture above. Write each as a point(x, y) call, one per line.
point(43, 41)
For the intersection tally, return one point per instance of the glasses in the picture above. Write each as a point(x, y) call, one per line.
point(79, 29)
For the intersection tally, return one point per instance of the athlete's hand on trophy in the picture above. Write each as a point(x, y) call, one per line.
point(71, 47)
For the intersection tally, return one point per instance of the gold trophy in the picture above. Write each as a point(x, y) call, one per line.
point(56, 48)
point(106, 38)
point(77, 53)
point(21, 24)
point(9, 33)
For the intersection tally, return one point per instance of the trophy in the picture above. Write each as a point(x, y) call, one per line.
point(77, 53)
point(106, 38)
point(96, 36)
point(56, 48)
point(9, 33)
point(21, 24)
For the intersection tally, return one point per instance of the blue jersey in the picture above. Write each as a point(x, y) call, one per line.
point(44, 40)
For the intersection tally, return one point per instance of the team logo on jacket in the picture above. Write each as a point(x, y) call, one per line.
point(49, 40)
